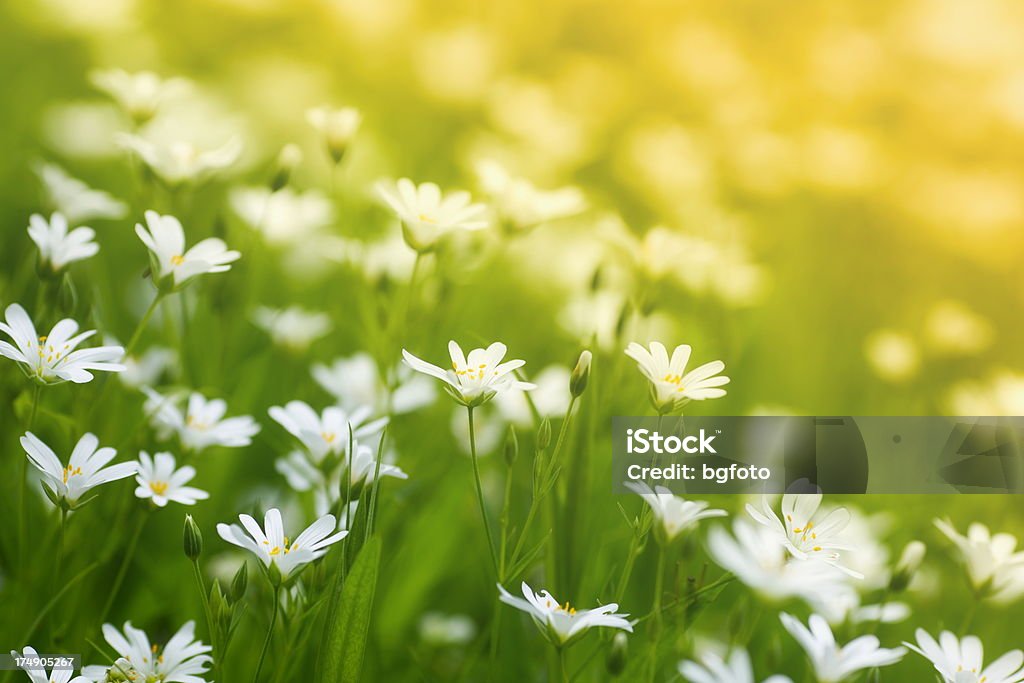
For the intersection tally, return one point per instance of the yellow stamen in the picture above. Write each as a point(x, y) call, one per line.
point(177, 260)
point(158, 487)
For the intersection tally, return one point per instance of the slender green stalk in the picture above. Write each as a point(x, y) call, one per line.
point(123, 569)
point(57, 597)
point(563, 665)
point(137, 334)
point(210, 623)
point(480, 490)
point(270, 634)
point(659, 582)
point(972, 610)
point(23, 487)
point(502, 566)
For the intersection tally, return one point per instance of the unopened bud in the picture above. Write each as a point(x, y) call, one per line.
point(274, 574)
point(580, 374)
point(288, 159)
point(544, 435)
point(240, 582)
point(907, 566)
point(511, 446)
point(216, 597)
point(193, 539)
point(615, 663)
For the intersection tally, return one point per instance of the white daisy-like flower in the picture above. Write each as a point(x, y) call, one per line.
point(715, 669)
point(521, 205)
point(673, 513)
point(337, 126)
point(356, 381)
point(427, 215)
point(160, 481)
point(202, 424)
point(327, 487)
point(139, 94)
point(803, 532)
point(762, 564)
point(74, 199)
point(86, 468)
point(177, 162)
point(172, 265)
point(54, 358)
point(672, 387)
point(994, 566)
point(559, 623)
point(273, 548)
point(831, 662)
point(327, 433)
point(284, 216)
point(476, 378)
point(293, 328)
point(961, 660)
point(38, 675)
point(146, 370)
point(58, 246)
point(445, 630)
point(182, 660)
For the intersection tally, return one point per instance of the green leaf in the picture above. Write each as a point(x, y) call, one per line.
point(344, 640)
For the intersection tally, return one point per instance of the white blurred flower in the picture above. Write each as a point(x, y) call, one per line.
point(550, 398)
point(805, 533)
point(292, 328)
point(561, 624)
point(161, 481)
point(165, 239)
point(86, 468)
point(427, 215)
point(522, 206)
point(82, 129)
point(182, 660)
point(994, 569)
point(355, 381)
point(53, 358)
point(179, 161)
point(952, 328)
point(961, 660)
point(146, 370)
point(74, 199)
point(328, 433)
point(673, 514)
point(273, 548)
point(59, 247)
point(284, 216)
point(475, 379)
point(139, 94)
point(38, 675)
point(201, 425)
point(1002, 393)
point(671, 386)
point(714, 669)
point(892, 355)
point(831, 662)
point(337, 127)
point(445, 630)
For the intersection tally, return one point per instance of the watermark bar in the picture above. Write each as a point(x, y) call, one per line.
point(870, 454)
point(44, 663)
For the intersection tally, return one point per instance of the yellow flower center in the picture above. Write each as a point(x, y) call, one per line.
point(158, 487)
point(177, 260)
point(70, 471)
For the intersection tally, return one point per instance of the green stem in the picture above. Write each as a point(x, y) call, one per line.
point(123, 569)
point(972, 609)
point(563, 664)
point(57, 597)
point(659, 582)
point(480, 490)
point(137, 334)
point(210, 624)
point(23, 494)
point(270, 633)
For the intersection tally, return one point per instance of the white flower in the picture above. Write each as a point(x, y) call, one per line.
point(86, 468)
point(202, 424)
point(764, 566)
point(892, 354)
point(182, 660)
point(273, 548)
point(176, 162)
point(994, 569)
point(671, 386)
point(327, 433)
point(138, 94)
point(550, 398)
point(53, 358)
point(833, 663)
point(165, 239)
point(673, 513)
point(39, 675)
point(474, 379)
point(292, 328)
point(59, 247)
point(73, 198)
point(337, 126)
point(952, 328)
point(304, 475)
point(803, 532)
point(714, 669)
point(562, 623)
point(962, 660)
point(520, 204)
point(427, 215)
point(284, 216)
point(146, 369)
point(160, 481)
point(356, 381)
point(442, 630)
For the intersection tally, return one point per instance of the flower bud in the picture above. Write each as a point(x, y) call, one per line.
point(615, 662)
point(544, 435)
point(274, 575)
point(908, 564)
point(240, 582)
point(580, 374)
point(511, 451)
point(288, 159)
point(193, 539)
point(216, 597)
